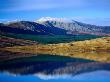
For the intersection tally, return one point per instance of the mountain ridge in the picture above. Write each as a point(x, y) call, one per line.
point(77, 27)
point(56, 26)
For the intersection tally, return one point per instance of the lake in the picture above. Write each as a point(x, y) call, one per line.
point(53, 68)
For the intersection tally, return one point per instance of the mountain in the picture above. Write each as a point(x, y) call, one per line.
point(33, 31)
point(54, 26)
point(27, 27)
point(74, 27)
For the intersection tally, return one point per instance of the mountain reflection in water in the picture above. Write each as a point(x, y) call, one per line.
point(54, 69)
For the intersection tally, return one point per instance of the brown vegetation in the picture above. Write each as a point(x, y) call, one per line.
point(96, 49)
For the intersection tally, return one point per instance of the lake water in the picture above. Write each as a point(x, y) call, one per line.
point(52, 69)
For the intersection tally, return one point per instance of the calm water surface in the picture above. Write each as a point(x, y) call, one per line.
point(52, 69)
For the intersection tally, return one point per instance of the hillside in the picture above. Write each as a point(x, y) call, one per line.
point(50, 39)
point(28, 27)
point(96, 49)
point(100, 44)
point(9, 42)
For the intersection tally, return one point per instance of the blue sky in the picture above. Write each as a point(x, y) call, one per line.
point(90, 11)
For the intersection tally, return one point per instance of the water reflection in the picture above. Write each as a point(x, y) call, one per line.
point(73, 68)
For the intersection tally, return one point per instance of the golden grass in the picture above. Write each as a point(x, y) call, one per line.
point(96, 49)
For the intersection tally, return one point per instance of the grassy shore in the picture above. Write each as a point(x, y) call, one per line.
point(95, 49)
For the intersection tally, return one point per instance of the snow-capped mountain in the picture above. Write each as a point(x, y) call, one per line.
point(43, 19)
point(74, 27)
point(54, 26)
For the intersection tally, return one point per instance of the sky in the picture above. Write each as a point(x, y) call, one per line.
point(88, 11)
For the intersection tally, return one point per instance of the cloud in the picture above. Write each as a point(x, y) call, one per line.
point(21, 5)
